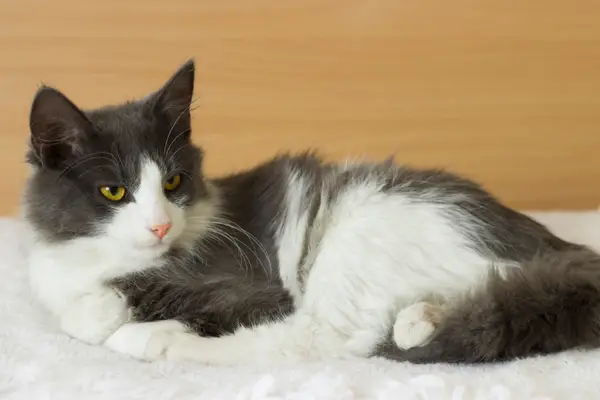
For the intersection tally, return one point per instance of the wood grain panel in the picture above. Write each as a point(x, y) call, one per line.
point(505, 91)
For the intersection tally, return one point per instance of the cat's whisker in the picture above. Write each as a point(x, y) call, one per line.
point(185, 173)
point(228, 224)
point(172, 156)
point(95, 167)
point(217, 234)
point(246, 263)
point(116, 155)
point(167, 144)
point(268, 270)
point(216, 237)
point(173, 127)
point(100, 155)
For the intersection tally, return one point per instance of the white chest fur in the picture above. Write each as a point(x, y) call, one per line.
point(61, 272)
point(69, 278)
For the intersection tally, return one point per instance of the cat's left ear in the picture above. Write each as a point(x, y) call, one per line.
point(174, 99)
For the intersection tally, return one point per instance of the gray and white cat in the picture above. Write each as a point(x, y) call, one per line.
point(295, 259)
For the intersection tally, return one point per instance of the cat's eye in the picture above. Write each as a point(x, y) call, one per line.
point(173, 182)
point(113, 193)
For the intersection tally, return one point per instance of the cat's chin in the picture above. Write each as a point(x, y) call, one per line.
point(148, 251)
point(158, 248)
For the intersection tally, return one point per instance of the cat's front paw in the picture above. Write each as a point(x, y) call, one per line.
point(161, 344)
point(415, 325)
point(94, 316)
point(145, 340)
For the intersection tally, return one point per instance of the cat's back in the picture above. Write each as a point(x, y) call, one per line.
point(494, 230)
point(293, 196)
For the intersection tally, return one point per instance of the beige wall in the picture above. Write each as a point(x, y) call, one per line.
point(506, 91)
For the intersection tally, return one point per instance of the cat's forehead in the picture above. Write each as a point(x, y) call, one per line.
point(128, 131)
point(128, 121)
point(130, 134)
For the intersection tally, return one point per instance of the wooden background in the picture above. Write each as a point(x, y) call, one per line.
point(505, 91)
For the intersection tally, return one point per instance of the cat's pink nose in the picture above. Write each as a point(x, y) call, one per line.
point(161, 230)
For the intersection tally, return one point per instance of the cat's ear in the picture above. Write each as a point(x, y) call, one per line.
point(174, 99)
point(58, 127)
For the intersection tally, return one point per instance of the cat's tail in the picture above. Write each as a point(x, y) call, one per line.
point(549, 305)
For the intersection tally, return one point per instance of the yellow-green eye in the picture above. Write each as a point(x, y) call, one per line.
point(113, 193)
point(172, 182)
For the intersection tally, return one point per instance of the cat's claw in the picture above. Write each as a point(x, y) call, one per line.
point(414, 326)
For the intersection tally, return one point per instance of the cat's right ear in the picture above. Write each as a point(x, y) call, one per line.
point(57, 128)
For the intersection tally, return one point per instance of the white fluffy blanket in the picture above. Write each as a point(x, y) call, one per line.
point(39, 362)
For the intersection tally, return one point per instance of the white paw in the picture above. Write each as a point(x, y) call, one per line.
point(161, 344)
point(413, 327)
point(145, 340)
point(94, 316)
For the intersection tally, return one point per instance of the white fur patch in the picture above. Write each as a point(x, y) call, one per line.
point(291, 233)
point(133, 222)
point(412, 327)
point(133, 338)
point(94, 316)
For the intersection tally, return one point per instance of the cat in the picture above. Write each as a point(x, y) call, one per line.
point(294, 259)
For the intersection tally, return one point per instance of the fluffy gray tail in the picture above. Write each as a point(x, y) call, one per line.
point(549, 305)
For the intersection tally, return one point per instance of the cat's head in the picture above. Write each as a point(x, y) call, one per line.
point(125, 173)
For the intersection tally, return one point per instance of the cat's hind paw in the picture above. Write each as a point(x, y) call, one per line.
point(415, 325)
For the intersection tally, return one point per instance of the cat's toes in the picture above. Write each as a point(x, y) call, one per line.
point(141, 340)
point(414, 326)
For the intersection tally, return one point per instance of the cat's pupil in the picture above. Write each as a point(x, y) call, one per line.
point(113, 190)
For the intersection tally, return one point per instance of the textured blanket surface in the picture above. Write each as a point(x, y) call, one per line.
point(37, 361)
